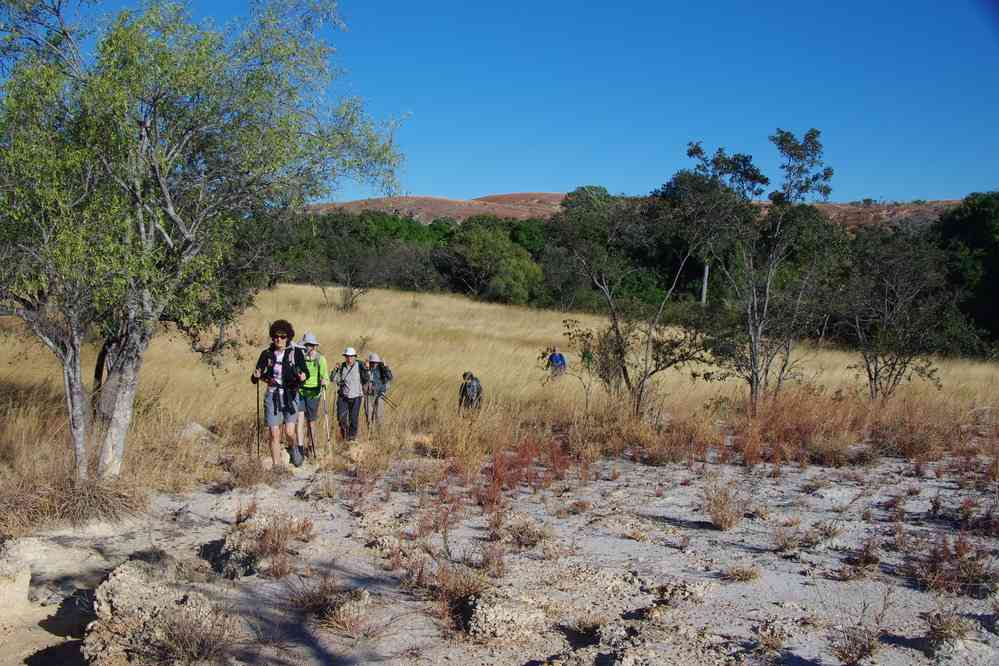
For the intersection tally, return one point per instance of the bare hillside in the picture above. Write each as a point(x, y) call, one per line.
point(524, 205)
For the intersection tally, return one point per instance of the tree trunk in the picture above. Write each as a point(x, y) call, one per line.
point(121, 401)
point(76, 404)
point(704, 284)
point(106, 374)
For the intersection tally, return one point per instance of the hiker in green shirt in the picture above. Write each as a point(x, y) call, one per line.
point(312, 390)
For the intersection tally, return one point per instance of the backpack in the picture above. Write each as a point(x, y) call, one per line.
point(473, 389)
point(365, 373)
point(289, 379)
point(386, 374)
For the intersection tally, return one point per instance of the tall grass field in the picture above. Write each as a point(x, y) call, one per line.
point(429, 340)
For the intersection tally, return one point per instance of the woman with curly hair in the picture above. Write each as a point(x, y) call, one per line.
point(282, 367)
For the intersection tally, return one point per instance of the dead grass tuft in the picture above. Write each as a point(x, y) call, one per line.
point(724, 503)
point(244, 472)
point(952, 566)
point(945, 625)
point(860, 639)
point(741, 574)
point(186, 635)
point(454, 590)
point(525, 534)
point(27, 505)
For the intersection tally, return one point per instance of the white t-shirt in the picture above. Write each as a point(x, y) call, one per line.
point(278, 368)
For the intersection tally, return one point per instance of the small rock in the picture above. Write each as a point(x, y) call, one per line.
point(195, 432)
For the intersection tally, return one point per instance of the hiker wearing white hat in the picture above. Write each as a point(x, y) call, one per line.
point(376, 390)
point(350, 378)
point(312, 391)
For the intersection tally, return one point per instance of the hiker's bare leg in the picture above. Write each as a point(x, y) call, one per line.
point(276, 445)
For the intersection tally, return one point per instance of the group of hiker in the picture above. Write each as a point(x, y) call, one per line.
point(296, 376)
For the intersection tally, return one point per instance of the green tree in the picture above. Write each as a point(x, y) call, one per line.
point(896, 307)
point(646, 334)
point(970, 233)
point(490, 265)
point(193, 132)
point(773, 260)
point(60, 262)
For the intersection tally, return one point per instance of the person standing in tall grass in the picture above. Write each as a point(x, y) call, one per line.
point(376, 390)
point(312, 389)
point(282, 367)
point(469, 393)
point(350, 378)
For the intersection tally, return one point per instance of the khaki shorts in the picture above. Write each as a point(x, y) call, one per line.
point(273, 412)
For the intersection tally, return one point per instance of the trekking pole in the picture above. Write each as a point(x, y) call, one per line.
point(326, 413)
point(388, 401)
point(258, 419)
point(312, 439)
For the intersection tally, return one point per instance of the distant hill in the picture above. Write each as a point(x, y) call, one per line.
point(524, 205)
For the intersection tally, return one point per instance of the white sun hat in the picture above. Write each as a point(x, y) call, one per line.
point(309, 339)
point(374, 358)
point(349, 351)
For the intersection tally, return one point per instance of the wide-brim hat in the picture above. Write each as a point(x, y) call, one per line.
point(309, 339)
point(374, 358)
point(349, 351)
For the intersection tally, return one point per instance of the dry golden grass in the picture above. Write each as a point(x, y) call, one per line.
point(429, 340)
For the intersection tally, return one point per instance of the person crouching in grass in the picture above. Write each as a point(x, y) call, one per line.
point(312, 390)
point(282, 367)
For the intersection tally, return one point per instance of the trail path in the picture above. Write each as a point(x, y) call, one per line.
point(632, 553)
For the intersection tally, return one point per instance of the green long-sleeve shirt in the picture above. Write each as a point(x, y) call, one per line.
point(316, 370)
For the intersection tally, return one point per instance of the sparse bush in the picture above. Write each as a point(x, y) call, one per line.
point(525, 534)
point(953, 566)
point(587, 628)
point(853, 644)
point(724, 503)
point(741, 574)
point(27, 505)
point(245, 472)
point(348, 615)
point(861, 639)
point(454, 588)
point(770, 637)
point(243, 514)
point(787, 540)
point(191, 635)
point(334, 607)
point(945, 625)
point(684, 440)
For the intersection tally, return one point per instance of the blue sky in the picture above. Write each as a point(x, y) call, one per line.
point(528, 96)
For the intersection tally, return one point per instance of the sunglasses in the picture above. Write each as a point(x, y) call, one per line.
point(279, 337)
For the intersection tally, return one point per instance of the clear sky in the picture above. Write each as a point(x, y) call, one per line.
point(545, 96)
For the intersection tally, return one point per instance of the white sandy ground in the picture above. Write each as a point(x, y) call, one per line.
point(646, 526)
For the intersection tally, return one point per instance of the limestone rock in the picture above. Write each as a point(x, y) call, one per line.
point(141, 608)
point(196, 433)
point(14, 581)
point(677, 592)
point(495, 616)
